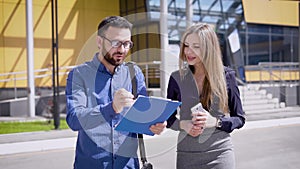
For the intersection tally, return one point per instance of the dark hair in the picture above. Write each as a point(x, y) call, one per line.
point(114, 21)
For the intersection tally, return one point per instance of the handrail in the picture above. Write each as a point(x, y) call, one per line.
point(278, 64)
point(270, 67)
point(24, 77)
point(152, 71)
point(149, 73)
point(274, 74)
point(35, 71)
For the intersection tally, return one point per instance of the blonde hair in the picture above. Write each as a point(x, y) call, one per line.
point(211, 57)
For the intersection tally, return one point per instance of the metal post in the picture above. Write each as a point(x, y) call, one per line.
point(30, 59)
point(247, 45)
point(299, 52)
point(147, 75)
point(270, 57)
point(55, 68)
point(164, 46)
point(189, 12)
point(57, 115)
point(15, 86)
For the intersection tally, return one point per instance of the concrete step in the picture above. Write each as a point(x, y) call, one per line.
point(283, 109)
point(252, 97)
point(260, 106)
point(273, 113)
point(253, 92)
point(265, 111)
point(259, 101)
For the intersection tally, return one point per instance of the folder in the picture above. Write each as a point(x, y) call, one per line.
point(145, 112)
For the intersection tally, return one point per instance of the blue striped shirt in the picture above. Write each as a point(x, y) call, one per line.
point(89, 93)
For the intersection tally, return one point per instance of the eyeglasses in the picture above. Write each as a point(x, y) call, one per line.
point(116, 43)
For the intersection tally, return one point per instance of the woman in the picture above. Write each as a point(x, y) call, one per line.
point(204, 139)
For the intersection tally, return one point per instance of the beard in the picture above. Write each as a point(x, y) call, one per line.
point(110, 59)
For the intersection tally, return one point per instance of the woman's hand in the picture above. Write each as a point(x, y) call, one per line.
point(204, 120)
point(199, 120)
point(189, 127)
point(211, 121)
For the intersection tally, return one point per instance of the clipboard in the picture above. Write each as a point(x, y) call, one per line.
point(145, 112)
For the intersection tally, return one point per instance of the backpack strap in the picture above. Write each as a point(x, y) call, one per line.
point(133, 78)
point(134, 92)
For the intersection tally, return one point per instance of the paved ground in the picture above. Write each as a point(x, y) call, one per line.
point(274, 147)
point(263, 144)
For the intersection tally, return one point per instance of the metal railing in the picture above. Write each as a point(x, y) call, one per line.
point(22, 75)
point(268, 73)
point(282, 73)
point(273, 73)
point(276, 77)
point(151, 70)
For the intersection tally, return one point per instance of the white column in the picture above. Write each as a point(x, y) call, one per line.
point(189, 12)
point(164, 46)
point(30, 59)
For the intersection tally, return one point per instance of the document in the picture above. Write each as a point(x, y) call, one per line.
point(145, 112)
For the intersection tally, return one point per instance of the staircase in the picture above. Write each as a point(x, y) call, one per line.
point(260, 105)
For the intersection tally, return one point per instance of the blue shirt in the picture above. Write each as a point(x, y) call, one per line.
point(89, 92)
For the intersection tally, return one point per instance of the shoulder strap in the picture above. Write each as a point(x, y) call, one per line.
point(134, 92)
point(133, 78)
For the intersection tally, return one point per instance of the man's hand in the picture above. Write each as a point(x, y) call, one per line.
point(158, 128)
point(122, 98)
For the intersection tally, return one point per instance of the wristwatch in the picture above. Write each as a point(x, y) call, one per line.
point(219, 123)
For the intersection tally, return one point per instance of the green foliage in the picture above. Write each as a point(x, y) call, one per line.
point(17, 127)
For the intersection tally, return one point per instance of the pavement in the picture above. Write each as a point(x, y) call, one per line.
point(59, 139)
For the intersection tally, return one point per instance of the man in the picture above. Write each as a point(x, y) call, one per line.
point(98, 93)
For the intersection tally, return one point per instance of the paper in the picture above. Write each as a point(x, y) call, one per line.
point(234, 41)
point(145, 112)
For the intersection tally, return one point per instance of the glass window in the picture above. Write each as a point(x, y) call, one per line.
point(258, 28)
point(227, 5)
point(216, 6)
point(206, 4)
point(258, 49)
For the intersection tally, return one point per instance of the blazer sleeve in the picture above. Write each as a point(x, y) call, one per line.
point(173, 93)
point(236, 119)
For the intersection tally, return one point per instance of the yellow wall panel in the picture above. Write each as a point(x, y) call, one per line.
point(87, 50)
point(72, 30)
point(42, 20)
point(42, 58)
point(65, 55)
point(77, 23)
point(273, 12)
point(16, 59)
point(260, 76)
point(1, 21)
point(14, 17)
point(2, 67)
point(1, 40)
point(66, 13)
